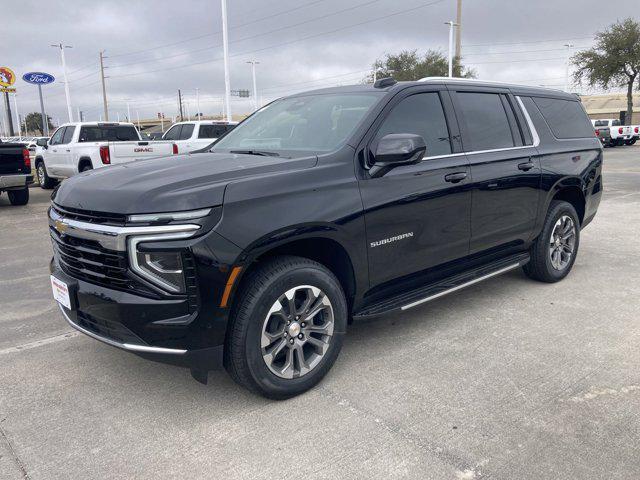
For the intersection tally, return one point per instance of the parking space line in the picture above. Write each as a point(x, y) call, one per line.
point(39, 343)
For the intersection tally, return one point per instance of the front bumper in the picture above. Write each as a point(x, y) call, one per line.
point(14, 181)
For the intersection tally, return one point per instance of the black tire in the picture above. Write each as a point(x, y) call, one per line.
point(259, 291)
point(19, 197)
point(612, 143)
point(540, 266)
point(46, 182)
point(630, 142)
point(86, 167)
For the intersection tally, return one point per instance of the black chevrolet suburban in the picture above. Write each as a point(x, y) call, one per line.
point(320, 209)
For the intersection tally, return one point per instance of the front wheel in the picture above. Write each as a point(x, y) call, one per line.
point(44, 180)
point(19, 197)
point(554, 251)
point(286, 330)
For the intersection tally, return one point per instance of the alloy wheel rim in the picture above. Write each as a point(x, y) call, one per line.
point(41, 174)
point(562, 242)
point(297, 332)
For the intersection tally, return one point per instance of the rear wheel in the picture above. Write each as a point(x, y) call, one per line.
point(555, 249)
point(44, 180)
point(286, 331)
point(86, 167)
point(19, 197)
point(630, 142)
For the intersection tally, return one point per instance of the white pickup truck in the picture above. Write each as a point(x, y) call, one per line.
point(190, 136)
point(78, 147)
point(620, 134)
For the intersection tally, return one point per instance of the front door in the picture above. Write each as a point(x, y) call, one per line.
point(505, 168)
point(417, 216)
point(54, 158)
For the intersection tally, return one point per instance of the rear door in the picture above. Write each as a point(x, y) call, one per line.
point(207, 134)
point(417, 216)
point(505, 167)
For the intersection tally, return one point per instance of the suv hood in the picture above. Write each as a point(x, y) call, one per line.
point(167, 184)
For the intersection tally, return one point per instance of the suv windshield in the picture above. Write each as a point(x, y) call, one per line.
point(311, 123)
point(108, 133)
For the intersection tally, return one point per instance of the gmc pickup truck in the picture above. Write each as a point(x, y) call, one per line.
point(79, 147)
point(320, 209)
point(15, 172)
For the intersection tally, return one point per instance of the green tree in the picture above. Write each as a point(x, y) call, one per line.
point(614, 61)
point(408, 65)
point(33, 122)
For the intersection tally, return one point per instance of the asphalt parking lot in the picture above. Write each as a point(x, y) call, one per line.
point(507, 379)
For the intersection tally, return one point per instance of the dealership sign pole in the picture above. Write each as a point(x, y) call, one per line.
point(7, 79)
point(39, 79)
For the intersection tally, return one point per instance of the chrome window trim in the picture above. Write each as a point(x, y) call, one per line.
point(534, 135)
point(125, 346)
point(110, 237)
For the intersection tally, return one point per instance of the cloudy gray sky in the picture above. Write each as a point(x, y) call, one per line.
point(156, 47)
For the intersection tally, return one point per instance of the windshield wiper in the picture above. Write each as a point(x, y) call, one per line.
point(256, 152)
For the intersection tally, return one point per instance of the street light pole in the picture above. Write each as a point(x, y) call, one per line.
point(66, 81)
point(198, 113)
point(128, 112)
point(225, 48)
point(451, 24)
point(566, 75)
point(15, 106)
point(104, 88)
point(255, 87)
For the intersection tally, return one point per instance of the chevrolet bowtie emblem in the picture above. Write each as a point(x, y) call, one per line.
point(61, 227)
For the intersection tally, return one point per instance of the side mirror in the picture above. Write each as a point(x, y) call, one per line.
point(41, 142)
point(397, 149)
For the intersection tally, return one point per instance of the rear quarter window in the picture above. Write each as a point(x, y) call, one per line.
point(566, 118)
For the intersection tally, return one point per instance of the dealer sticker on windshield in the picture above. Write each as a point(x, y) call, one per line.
point(60, 292)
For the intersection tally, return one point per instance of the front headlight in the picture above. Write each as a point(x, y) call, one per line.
point(162, 268)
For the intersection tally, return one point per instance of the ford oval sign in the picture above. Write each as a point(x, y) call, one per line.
point(38, 78)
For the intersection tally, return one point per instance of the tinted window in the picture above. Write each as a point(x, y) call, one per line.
point(486, 121)
point(212, 131)
point(68, 134)
point(57, 136)
point(173, 133)
point(108, 133)
point(601, 123)
point(565, 118)
point(187, 131)
point(421, 114)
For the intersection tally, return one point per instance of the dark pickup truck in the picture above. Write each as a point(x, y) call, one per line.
point(320, 209)
point(15, 172)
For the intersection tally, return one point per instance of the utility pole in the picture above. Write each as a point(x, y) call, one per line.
point(66, 81)
point(15, 104)
point(180, 104)
point(459, 30)
point(198, 113)
point(128, 112)
point(255, 88)
point(138, 117)
point(43, 116)
point(451, 24)
point(225, 48)
point(566, 75)
point(104, 88)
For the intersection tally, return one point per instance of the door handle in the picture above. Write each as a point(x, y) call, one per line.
point(455, 177)
point(526, 166)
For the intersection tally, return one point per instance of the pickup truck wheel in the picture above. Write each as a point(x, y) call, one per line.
point(19, 197)
point(44, 180)
point(630, 142)
point(555, 249)
point(85, 168)
point(286, 331)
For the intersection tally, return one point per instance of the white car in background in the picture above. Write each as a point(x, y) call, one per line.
point(78, 147)
point(190, 136)
point(620, 134)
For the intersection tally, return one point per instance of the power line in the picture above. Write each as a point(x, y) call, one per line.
point(306, 5)
point(329, 32)
point(251, 37)
point(518, 61)
point(522, 43)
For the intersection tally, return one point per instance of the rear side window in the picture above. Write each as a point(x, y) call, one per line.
point(601, 123)
point(212, 131)
point(108, 133)
point(421, 114)
point(486, 120)
point(68, 134)
point(186, 132)
point(566, 118)
point(173, 133)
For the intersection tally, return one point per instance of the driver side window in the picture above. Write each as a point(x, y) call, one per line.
point(421, 114)
point(57, 136)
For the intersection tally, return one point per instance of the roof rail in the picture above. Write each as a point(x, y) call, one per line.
point(472, 80)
